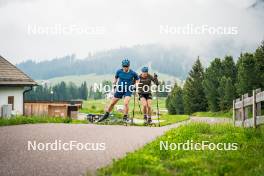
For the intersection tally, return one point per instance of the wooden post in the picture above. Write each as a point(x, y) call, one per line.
point(258, 108)
point(234, 112)
point(254, 109)
point(243, 112)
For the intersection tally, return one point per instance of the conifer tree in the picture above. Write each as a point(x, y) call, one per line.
point(246, 74)
point(259, 59)
point(194, 97)
point(213, 75)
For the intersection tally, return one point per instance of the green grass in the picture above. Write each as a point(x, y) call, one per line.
point(227, 114)
point(170, 119)
point(94, 106)
point(37, 119)
point(98, 106)
point(150, 160)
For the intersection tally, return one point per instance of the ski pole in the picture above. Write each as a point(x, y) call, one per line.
point(157, 105)
point(139, 107)
point(133, 112)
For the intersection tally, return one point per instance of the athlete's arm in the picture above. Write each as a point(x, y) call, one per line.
point(137, 83)
point(115, 81)
point(115, 78)
point(136, 77)
point(155, 79)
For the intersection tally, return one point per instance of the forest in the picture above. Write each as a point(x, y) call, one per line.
point(215, 87)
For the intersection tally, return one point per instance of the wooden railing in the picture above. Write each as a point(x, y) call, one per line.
point(241, 108)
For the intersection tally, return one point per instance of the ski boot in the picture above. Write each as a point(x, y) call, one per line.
point(125, 120)
point(105, 116)
point(145, 119)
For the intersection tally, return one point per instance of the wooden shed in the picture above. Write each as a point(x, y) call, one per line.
point(52, 109)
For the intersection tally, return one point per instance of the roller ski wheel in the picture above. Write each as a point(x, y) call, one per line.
point(149, 122)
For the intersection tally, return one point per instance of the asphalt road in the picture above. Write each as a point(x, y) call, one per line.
point(16, 159)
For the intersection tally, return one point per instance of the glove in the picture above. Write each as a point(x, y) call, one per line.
point(155, 76)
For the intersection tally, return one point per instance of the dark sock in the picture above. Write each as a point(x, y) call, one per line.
point(125, 116)
point(149, 119)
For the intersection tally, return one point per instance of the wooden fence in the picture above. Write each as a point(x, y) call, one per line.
point(242, 106)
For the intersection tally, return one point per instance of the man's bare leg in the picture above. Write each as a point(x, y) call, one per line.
point(145, 107)
point(126, 105)
point(149, 109)
point(112, 104)
point(109, 109)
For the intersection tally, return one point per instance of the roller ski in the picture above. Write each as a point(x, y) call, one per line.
point(93, 118)
point(127, 121)
point(97, 118)
point(148, 121)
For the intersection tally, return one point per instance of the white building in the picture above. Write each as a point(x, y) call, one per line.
point(13, 84)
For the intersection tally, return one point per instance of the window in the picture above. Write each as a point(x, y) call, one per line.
point(11, 101)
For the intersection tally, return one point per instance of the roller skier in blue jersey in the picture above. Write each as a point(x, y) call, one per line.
point(125, 82)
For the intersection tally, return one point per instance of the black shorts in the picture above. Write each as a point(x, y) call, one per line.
point(146, 96)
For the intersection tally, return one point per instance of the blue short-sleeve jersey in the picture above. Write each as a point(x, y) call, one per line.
point(126, 78)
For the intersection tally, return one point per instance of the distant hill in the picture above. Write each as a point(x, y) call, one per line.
point(95, 78)
point(168, 61)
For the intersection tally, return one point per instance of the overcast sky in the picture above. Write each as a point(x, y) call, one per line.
point(120, 23)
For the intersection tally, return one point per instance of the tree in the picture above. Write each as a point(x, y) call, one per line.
point(169, 105)
point(174, 101)
point(246, 74)
point(194, 97)
point(227, 93)
point(229, 68)
point(259, 67)
point(213, 75)
point(72, 91)
point(83, 91)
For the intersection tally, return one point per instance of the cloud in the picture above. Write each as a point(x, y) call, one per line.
point(126, 23)
point(6, 2)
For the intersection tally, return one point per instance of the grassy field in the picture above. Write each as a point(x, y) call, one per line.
point(170, 119)
point(247, 160)
point(36, 119)
point(227, 114)
point(98, 106)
